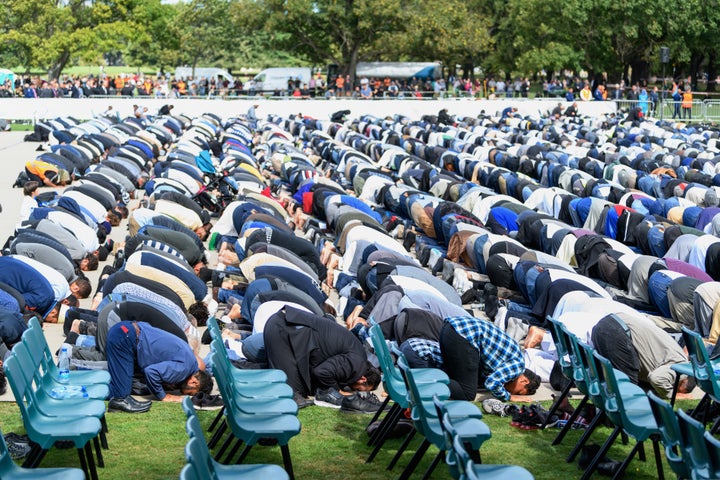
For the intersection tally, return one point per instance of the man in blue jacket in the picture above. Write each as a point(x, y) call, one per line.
point(167, 362)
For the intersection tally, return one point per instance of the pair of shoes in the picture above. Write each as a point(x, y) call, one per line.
point(301, 401)
point(605, 466)
point(206, 401)
point(357, 403)
point(532, 418)
point(328, 398)
point(128, 404)
point(17, 445)
point(496, 407)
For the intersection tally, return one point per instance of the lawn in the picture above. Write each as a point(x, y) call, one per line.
point(331, 445)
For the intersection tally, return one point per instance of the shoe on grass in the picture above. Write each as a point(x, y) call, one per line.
point(329, 397)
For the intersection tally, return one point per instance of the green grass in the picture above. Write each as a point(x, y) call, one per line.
point(331, 445)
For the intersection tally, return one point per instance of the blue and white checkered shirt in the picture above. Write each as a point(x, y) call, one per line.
point(501, 359)
point(427, 350)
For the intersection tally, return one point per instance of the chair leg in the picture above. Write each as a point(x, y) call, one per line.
point(244, 454)
point(217, 419)
point(715, 426)
point(402, 449)
point(624, 438)
point(557, 403)
point(83, 463)
point(568, 425)
point(35, 456)
point(626, 462)
point(438, 458)
point(674, 390)
point(380, 441)
point(384, 426)
point(379, 411)
point(224, 447)
point(419, 454)
point(91, 461)
point(603, 450)
point(100, 460)
point(103, 432)
point(287, 461)
point(233, 451)
point(658, 458)
point(217, 435)
point(585, 436)
point(641, 452)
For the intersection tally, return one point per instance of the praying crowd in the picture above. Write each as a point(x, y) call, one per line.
point(459, 237)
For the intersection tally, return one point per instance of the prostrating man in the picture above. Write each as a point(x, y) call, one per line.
point(318, 356)
point(477, 352)
point(167, 362)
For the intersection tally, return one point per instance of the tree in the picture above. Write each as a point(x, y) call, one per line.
point(48, 34)
point(336, 31)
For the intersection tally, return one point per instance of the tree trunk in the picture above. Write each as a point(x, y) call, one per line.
point(57, 66)
point(712, 72)
point(640, 70)
point(352, 62)
point(695, 61)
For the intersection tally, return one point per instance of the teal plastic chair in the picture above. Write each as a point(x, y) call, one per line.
point(672, 439)
point(430, 382)
point(713, 448)
point(424, 416)
point(80, 377)
point(572, 368)
point(463, 467)
point(704, 373)
point(695, 450)
point(188, 473)
point(207, 467)
point(10, 470)
point(630, 404)
point(250, 375)
point(249, 429)
point(45, 430)
point(52, 407)
point(566, 366)
point(37, 345)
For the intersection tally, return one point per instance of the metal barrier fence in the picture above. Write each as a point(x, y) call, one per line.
point(668, 109)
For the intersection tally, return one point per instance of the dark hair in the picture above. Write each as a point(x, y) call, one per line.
point(3, 381)
point(534, 381)
point(200, 311)
point(30, 187)
point(206, 381)
point(72, 301)
point(372, 375)
point(92, 261)
point(690, 383)
point(84, 287)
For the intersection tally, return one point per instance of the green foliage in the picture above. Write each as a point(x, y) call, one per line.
point(331, 445)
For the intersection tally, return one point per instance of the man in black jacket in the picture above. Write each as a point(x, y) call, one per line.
point(317, 353)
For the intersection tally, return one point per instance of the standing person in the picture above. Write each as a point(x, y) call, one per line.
point(677, 98)
point(340, 85)
point(654, 99)
point(687, 101)
point(251, 116)
point(167, 362)
point(585, 93)
point(475, 351)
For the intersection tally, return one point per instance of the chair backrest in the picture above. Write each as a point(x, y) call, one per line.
point(673, 441)
point(392, 379)
point(609, 385)
point(18, 384)
point(199, 458)
point(713, 449)
point(214, 328)
point(188, 407)
point(222, 375)
point(584, 357)
point(188, 473)
point(700, 360)
point(562, 346)
point(6, 462)
point(695, 452)
point(36, 342)
point(579, 373)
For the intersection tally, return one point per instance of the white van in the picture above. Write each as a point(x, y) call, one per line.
point(272, 79)
point(218, 74)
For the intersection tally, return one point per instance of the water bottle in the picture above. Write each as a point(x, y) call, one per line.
point(69, 391)
point(64, 365)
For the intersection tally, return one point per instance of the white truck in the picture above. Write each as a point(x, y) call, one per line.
point(276, 79)
point(218, 74)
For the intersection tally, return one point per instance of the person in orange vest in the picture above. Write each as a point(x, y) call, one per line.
point(687, 101)
point(46, 173)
